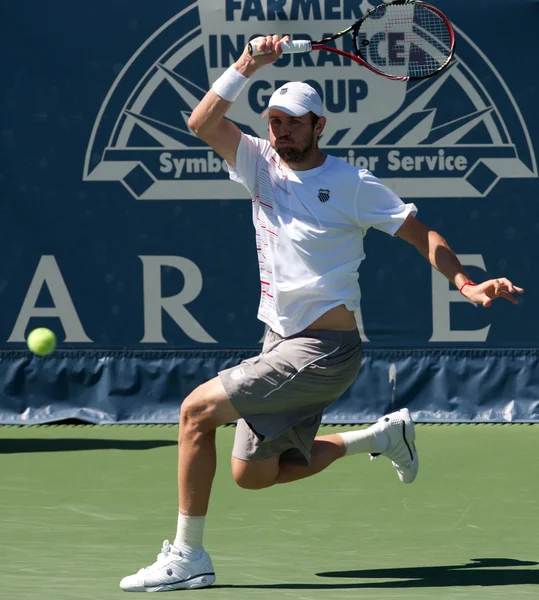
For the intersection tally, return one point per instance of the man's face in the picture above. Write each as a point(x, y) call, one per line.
point(293, 138)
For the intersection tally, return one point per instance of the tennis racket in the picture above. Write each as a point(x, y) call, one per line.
point(403, 40)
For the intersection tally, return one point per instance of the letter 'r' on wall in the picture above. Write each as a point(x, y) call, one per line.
point(174, 306)
point(442, 296)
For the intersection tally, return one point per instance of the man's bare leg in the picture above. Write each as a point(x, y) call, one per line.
point(202, 412)
point(392, 435)
point(325, 451)
point(185, 564)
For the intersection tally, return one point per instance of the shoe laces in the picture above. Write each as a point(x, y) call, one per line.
point(165, 551)
point(162, 556)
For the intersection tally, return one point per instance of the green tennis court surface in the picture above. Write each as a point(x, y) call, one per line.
point(83, 506)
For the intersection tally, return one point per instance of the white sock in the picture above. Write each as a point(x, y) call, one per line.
point(365, 440)
point(189, 536)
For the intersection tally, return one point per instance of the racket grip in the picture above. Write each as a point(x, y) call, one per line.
point(293, 46)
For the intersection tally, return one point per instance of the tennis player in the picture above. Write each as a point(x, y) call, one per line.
point(311, 212)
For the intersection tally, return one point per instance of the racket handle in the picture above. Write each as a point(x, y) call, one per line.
point(293, 46)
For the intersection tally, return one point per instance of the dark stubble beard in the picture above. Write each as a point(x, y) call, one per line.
point(296, 155)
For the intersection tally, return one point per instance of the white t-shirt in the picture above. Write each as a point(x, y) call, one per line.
point(309, 231)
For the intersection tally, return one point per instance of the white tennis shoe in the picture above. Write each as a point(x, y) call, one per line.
point(399, 428)
point(171, 571)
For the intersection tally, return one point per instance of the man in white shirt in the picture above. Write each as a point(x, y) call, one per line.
point(310, 212)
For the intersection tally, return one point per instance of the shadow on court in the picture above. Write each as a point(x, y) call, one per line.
point(17, 446)
point(485, 572)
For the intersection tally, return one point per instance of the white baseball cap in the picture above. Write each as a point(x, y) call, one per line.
point(295, 98)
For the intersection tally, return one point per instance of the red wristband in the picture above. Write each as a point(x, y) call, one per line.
point(465, 284)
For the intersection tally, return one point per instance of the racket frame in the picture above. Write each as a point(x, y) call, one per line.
point(355, 29)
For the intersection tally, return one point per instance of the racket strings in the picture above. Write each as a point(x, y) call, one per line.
point(406, 40)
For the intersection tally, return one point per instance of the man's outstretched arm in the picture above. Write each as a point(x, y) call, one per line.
point(207, 120)
point(437, 251)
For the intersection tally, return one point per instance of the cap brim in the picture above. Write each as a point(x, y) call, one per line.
point(294, 110)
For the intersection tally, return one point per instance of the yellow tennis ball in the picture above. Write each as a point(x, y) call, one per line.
point(41, 341)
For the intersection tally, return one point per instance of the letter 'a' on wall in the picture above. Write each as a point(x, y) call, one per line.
point(48, 272)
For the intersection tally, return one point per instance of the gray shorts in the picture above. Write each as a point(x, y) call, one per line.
point(282, 393)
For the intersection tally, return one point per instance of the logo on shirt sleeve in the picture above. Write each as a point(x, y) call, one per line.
point(323, 195)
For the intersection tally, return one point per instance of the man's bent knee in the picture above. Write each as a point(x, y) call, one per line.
point(207, 407)
point(257, 474)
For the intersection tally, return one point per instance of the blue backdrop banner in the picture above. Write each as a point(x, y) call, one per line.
point(122, 232)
